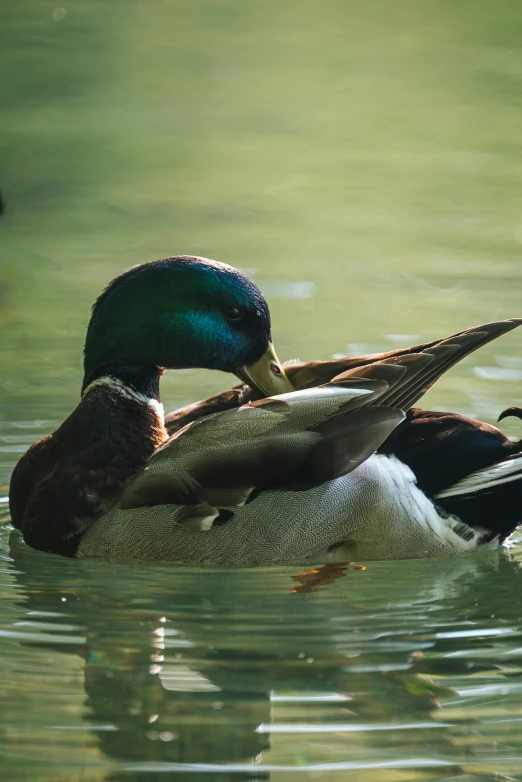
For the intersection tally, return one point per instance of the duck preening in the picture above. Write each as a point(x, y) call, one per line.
point(173, 313)
point(341, 467)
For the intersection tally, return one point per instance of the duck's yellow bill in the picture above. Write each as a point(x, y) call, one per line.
point(266, 375)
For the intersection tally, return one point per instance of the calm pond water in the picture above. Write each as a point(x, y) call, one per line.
point(363, 162)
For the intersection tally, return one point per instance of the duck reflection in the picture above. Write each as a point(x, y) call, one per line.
point(217, 667)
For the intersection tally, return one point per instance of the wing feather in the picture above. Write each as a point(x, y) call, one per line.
point(311, 436)
point(316, 373)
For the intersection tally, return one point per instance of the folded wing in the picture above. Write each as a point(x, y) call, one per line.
point(297, 439)
point(315, 373)
point(223, 458)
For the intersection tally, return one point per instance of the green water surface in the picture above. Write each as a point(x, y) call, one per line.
point(363, 163)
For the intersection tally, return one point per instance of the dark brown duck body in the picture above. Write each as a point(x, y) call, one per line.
point(68, 479)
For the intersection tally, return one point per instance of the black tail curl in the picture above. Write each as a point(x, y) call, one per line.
point(515, 412)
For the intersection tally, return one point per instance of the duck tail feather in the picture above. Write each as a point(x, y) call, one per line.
point(488, 499)
point(486, 480)
point(510, 412)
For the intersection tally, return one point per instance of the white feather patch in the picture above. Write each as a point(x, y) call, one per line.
point(321, 393)
point(407, 523)
point(128, 393)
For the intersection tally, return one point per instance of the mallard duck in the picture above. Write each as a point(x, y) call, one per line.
point(327, 472)
point(172, 313)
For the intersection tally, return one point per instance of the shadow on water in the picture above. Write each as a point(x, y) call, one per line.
point(238, 675)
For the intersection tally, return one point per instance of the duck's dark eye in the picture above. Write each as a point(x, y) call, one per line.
point(233, 314)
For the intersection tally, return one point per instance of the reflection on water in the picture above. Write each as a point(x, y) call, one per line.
point(362, 162)
point(145, 670)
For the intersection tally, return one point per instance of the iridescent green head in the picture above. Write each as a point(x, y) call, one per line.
point(182, 312)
